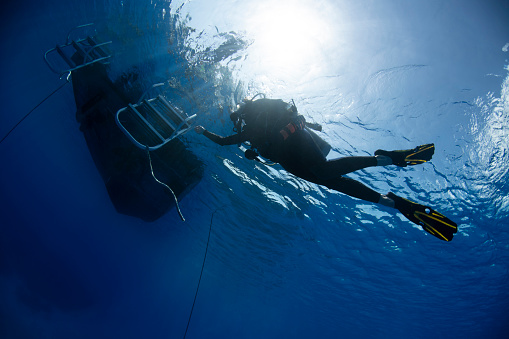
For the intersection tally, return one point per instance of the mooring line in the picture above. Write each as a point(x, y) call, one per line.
point(201, 273)
point(33, 109)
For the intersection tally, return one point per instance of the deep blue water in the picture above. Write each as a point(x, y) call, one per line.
point(286, 259)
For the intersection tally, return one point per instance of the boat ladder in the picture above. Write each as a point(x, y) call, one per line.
point(77, 53)
point(153, 123)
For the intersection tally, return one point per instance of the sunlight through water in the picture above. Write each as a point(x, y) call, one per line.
point(288, 36)
point(277, 256)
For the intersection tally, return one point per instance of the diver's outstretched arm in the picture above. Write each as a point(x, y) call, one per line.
point(223, 141)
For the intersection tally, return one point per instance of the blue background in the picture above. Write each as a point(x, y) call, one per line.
point(286, 259)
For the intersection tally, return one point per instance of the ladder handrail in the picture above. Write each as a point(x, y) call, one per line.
point(159, 84)
point(180, 131)
point(94, 47)
point(175, 110)
point(79, 44)
point(75, 28)
point(60, 73)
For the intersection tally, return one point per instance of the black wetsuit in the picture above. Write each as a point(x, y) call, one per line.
point(300, 155)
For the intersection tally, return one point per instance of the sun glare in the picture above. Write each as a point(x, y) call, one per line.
point(288, 35)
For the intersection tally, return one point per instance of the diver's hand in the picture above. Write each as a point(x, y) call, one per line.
point(199, 129)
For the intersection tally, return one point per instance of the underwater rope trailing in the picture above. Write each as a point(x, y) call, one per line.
point(36, 106)
point(202, 268)
point(162, 183)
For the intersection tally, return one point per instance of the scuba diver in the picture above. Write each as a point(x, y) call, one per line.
point(275, 131)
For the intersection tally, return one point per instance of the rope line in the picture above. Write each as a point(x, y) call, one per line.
point(201, 273)
point(162, 183)
point(33, 109)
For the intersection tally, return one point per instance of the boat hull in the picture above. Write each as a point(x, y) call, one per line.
point(124, 167)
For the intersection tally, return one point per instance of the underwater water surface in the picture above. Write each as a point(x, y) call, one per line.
point(285, 259)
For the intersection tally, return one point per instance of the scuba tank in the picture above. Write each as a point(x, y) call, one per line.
point(270, 122)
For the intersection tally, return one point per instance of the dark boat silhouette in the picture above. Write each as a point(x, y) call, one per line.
point(119, 134)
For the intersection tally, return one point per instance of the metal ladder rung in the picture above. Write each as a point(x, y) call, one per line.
point(85, 54)
point(146, 123)
point(158, 114)
point(151, 123)
point(91, 54)
point(132, 122)
point(65, 57)
point(79, 49)
point(99, 51)
point(154, 120)
point(172, 113)
point(96, 50)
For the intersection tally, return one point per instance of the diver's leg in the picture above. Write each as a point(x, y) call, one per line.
point(358, 190)
point(386, 201)
point(383, 160)
point(353, 188)
point(338, 167)
point(341, 184)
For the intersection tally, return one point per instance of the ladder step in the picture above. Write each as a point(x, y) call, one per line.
point(99, 51)
point(90, 51)
point(155, 121)
point(143, 126)
point(65, 57)
point(173, 114)
point(80, 50)
point(137, 129)
point(160, 119)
